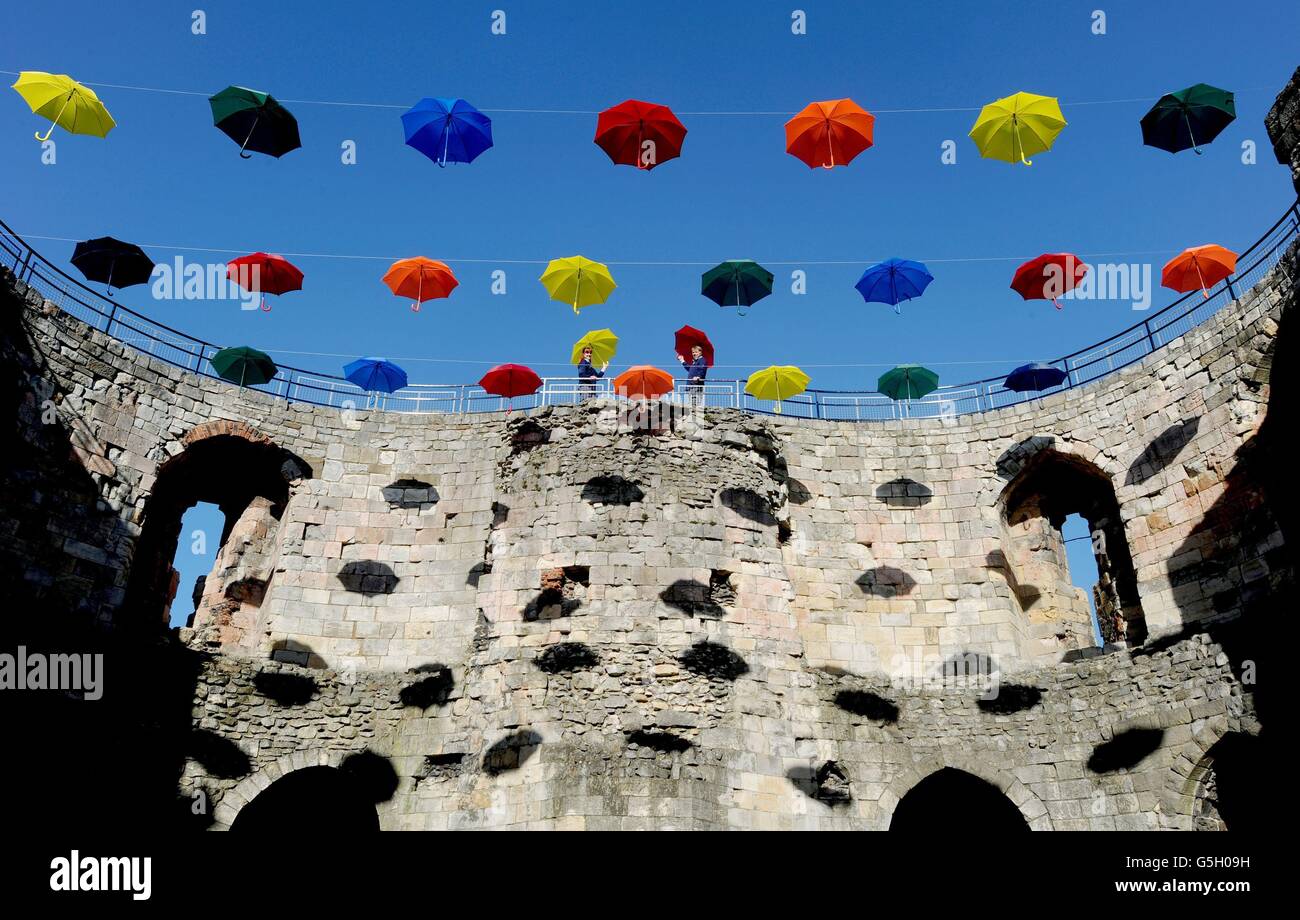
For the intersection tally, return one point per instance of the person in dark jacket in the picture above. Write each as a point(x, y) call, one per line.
point(588, 375)
point(696, 370)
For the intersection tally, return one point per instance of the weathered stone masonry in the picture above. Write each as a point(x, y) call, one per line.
point(552, 621)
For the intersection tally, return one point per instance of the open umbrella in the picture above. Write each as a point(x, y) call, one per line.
point(736, 283)
point(776, 383)
point(643, 382)
point(1030, 378)
point(907, 381)
point(1188, 118)
point(688, 336)
point(421, 279)
point(244, 365)
point(640, 134)
point(603, 344)
point(577, 281)
point(510, 380)
point(447, 130)
point(1198, 267)
point(830, 133)
point(1017, 126)
point(65, 102)
point(112, 262)
point(894, 281)
point(375, 375)
point(1049, 276)
point(254, 121)
point(265, 273)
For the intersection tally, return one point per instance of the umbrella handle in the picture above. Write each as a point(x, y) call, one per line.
point(252, 128)
point(1056, 303)
point(419, 292)
point(1190, 136)
point(266, 307)
point(830, 146)
point(55, 122)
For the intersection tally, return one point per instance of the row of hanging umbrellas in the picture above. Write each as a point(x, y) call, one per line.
point(645, 134)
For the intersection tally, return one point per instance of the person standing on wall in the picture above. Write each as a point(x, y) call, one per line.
point(696, 370)
point(588, 375)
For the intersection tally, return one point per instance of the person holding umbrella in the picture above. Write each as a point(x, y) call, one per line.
point(696, 370)
point(588, 375)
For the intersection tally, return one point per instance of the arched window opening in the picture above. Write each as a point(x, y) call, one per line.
point(1081, 560)
point(202, 528)
point(315, 800)
point(954, 801)
point(248, 483)
point(1050, 490)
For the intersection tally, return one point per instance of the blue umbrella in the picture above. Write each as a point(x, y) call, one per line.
point(894, 281)
point(447, 130)
point(375, 375)
point(1034, 377)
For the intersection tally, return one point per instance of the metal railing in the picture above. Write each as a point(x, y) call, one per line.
point(294, 384)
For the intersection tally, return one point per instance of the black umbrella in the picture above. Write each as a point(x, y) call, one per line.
point(112, 262)
point(254, 121)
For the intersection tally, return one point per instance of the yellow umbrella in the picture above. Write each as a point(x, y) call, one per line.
point(602, 342)
point(777, 382)
point(577, 281)
point(1019, 125)
point(65, 102)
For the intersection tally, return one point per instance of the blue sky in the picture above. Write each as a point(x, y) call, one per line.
point(166, 176)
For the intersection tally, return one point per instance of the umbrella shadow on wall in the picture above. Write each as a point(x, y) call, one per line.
point(749, 505)
point(904, 493)
point(885, 581)
point(693, 598)
point(1162, 451)
point(611, 490)
point(434, 689)
point(828, 783)
point(367, 576)
point(511, 752)
point(1126, 750)
point(1027, 595)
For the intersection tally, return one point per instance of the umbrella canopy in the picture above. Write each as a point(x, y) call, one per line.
point(830, 133)
point(266, 273)
point(640, 134)
point(894, 281)
point(908, 381)
point(603, 344)
point(510, 380)
point(1198, 267)
point(112, 262)
point(1030, 378)
point(1049, 276)
point(244, 365)
point(375, 375)
point(1017, 126)
point(447, 130)
point(254, 121)
point(736, 283)
point(688, 336)
point(776, 383)
point(421, 279)
point(1188, 118)
point(578, 281)
point(72, 106)
point(644, 382)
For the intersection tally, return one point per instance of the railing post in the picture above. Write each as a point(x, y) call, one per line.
point(1231, 291)
point(817, 405)
point(1151, 339)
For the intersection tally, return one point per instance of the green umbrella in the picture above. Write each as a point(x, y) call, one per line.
point(736, 283)
point(1188, 118)
point(908, 381)
point(244, 365)
point(254, 121)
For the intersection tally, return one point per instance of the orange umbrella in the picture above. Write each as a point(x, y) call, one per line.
point(421, 278)
point(829, 134)
point(1199, 267)
point(643, 381)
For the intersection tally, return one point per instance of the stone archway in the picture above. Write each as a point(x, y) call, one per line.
point(1016, 794)
point(236, 799)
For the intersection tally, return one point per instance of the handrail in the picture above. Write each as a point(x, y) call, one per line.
point(296, 384)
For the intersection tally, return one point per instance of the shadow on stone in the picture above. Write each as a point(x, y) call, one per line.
point(285, 688)
point(1162, 451)
point(431, 690)
point(1125, 750)
point(511, 752)
point(904, 493)
point(220, 757)
point(885, 581)
point(550, 604)
point(611, 490)
point(367, 576)
point(440, 766)
point(969, 665)
point(799, 494)
point(295, 652)
point(660, 741)
point(709, 659)
point(566, 656)
point(692, 598)
point(409, 493)
point(1011, 698)
point(867, 704)
point(1026, 595)
point(372, 773)
point(827, 784)
point(749, 504)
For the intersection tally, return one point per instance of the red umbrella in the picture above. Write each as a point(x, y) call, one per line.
point(264, 273)
point(625, 130)
point(510, 380)
point(687, 336)
point(1049, 276)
